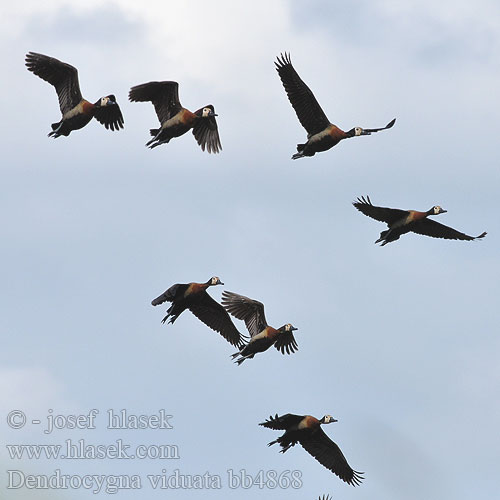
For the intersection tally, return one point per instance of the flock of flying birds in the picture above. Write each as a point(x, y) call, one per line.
point(175, 120)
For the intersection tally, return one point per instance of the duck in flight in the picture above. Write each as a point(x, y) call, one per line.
point(176, 120)
point(403, 221)
point(321, 134)
point(306, 430)
point(263, 336)
point(194, 296)
point(76, 111)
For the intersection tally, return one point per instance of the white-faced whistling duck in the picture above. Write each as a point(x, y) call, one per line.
point(176, 120)
point(263, 336)
point(193, 296)
point(321, 134)
point(76, 111)
point(306, 430)
point(404, 221)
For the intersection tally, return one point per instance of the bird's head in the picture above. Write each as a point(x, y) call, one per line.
point(109, 100)
point(437, 210)
point(287, 328)
point(328, 419)
point(215, 281)
point(206, 112)
point(356, 131)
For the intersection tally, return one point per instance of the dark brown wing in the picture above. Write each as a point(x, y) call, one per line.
point(249, 310)
point(163, 95)
point(328, 454)
point(170, 294)
point(62, 76)
point(429, 227)
point(382, 214)
point(324, 497)
point(282, 423)
point(206, 133)
point(389, 125)
point(110, 116)
point(286, 342)
point(308, 111)
point(207, 310)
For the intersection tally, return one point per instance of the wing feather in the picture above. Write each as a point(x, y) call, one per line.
point(249, 310)
point(328, 454)
point(286, 343)
point(163, 95)
point(206, 133)
point(62, 76)
point(170, 294)
point(110, 115)
point(429, 227)
point(210, 312)
point(283, 422)
point(382, 214)
point(307, 108)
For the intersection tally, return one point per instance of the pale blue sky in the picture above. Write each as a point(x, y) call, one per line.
point(400, 343)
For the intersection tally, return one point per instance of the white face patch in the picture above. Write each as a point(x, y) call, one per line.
point(206, 112)
point(358, 131)
point(437, 210)
point(328, 419)
point(215, 280)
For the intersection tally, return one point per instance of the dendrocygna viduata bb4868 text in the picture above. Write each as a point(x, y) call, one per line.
point(321, 134)
point(194, 296)
point(76, 111)
point(404, 221)
point(306, 430)
point(263, 336)
point(176, 120)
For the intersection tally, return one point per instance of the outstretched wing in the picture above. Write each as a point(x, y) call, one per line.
point(371, 130)
point(286, 343)
point(206, 133)
point(429, 227)
point(308, 111)
point(328, 454)
point(382, 214)
point(62, 76)
point(283, 422)
point(210, 312)
point(170, 294)
point(110, 115)
point(249, 310)
point(163, 95)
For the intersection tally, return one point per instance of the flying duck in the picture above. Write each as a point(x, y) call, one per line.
point(194, 296)
point(176, 120)
point(306, 430)
point(321, 134)
point(263, 336)
point(404, 221)
point(76, 111)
